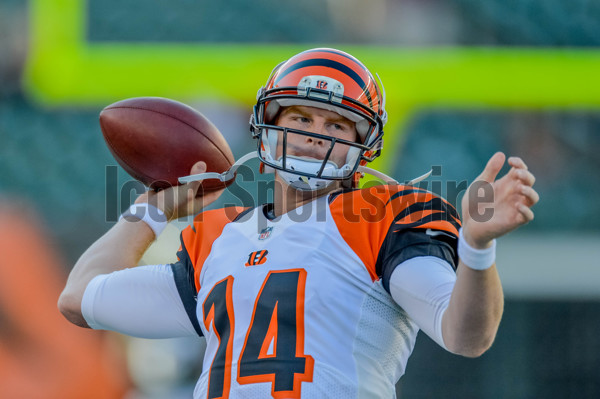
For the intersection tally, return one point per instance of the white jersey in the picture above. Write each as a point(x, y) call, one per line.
point(299, 306)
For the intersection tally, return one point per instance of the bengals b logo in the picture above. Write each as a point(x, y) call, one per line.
point(257, 258)
point(321, 84)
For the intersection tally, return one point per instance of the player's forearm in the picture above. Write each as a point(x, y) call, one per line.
point(121, 247)
point(473, 315)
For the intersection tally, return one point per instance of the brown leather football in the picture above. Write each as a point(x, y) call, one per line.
point(157, 140)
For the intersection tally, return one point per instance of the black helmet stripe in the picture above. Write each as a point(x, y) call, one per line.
point(337, 52)
point(329, 64)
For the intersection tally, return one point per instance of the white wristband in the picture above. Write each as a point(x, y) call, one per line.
point(477, 259)
point(149, 214)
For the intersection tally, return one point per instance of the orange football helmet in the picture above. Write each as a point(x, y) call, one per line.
point(329, 79)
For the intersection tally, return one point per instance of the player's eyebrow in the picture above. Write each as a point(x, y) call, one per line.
point(294, 110)
point(341, 119)
point(333, 119)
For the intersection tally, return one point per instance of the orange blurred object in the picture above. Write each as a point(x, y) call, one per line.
point(41, 354)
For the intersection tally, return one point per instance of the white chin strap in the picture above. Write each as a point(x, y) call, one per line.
point(299, 182)
point(307, 165)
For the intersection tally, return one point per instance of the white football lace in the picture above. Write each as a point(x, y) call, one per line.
point(230, 173)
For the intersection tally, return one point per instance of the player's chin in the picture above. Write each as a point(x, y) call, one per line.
point(305, 191)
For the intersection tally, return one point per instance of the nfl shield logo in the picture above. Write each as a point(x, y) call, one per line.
point(265, 233)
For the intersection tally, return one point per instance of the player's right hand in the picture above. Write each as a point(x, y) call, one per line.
point(183, 200)
point(512, 197)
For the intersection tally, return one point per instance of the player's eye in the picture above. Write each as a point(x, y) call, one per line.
point(337, 126)
point(300, 119)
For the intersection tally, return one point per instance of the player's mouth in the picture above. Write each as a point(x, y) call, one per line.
point(312, 153)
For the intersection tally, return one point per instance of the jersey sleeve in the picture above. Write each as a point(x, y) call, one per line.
point(424, 224)
point(141, 302)
point(422, 286)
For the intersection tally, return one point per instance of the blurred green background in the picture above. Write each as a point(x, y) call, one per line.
point(464, 79)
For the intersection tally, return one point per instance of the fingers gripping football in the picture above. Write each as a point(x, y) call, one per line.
point(182, 200)
point(507, 205)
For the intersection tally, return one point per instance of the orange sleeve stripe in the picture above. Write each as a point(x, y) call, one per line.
point(208, 227)
point(188, 236)
point(418, 215)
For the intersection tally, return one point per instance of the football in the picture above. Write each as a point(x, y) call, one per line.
point(157, 140)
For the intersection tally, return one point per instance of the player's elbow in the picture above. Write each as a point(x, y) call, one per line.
point(473, 347)
point(69, 305)
point(474, 351)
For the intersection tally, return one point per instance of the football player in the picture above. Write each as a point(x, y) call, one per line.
point(321, 293)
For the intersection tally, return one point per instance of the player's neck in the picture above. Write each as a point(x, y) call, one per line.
point(286, 198)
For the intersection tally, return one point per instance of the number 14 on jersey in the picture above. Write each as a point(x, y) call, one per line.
point(273, 349)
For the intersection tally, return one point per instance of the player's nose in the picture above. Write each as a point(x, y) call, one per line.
point(314, 140)
point(318, 128)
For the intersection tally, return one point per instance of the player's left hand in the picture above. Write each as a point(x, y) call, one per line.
point(492, 208)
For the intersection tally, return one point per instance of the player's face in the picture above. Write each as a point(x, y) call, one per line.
point(320, 121)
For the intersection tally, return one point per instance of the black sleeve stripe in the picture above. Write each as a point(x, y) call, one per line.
point(187, 294)
point(406, 192)
point(435, 203)
point(183, 273)
point(434, 217)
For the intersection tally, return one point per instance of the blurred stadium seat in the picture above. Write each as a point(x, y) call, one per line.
point(530, 22)
point(208, 21)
